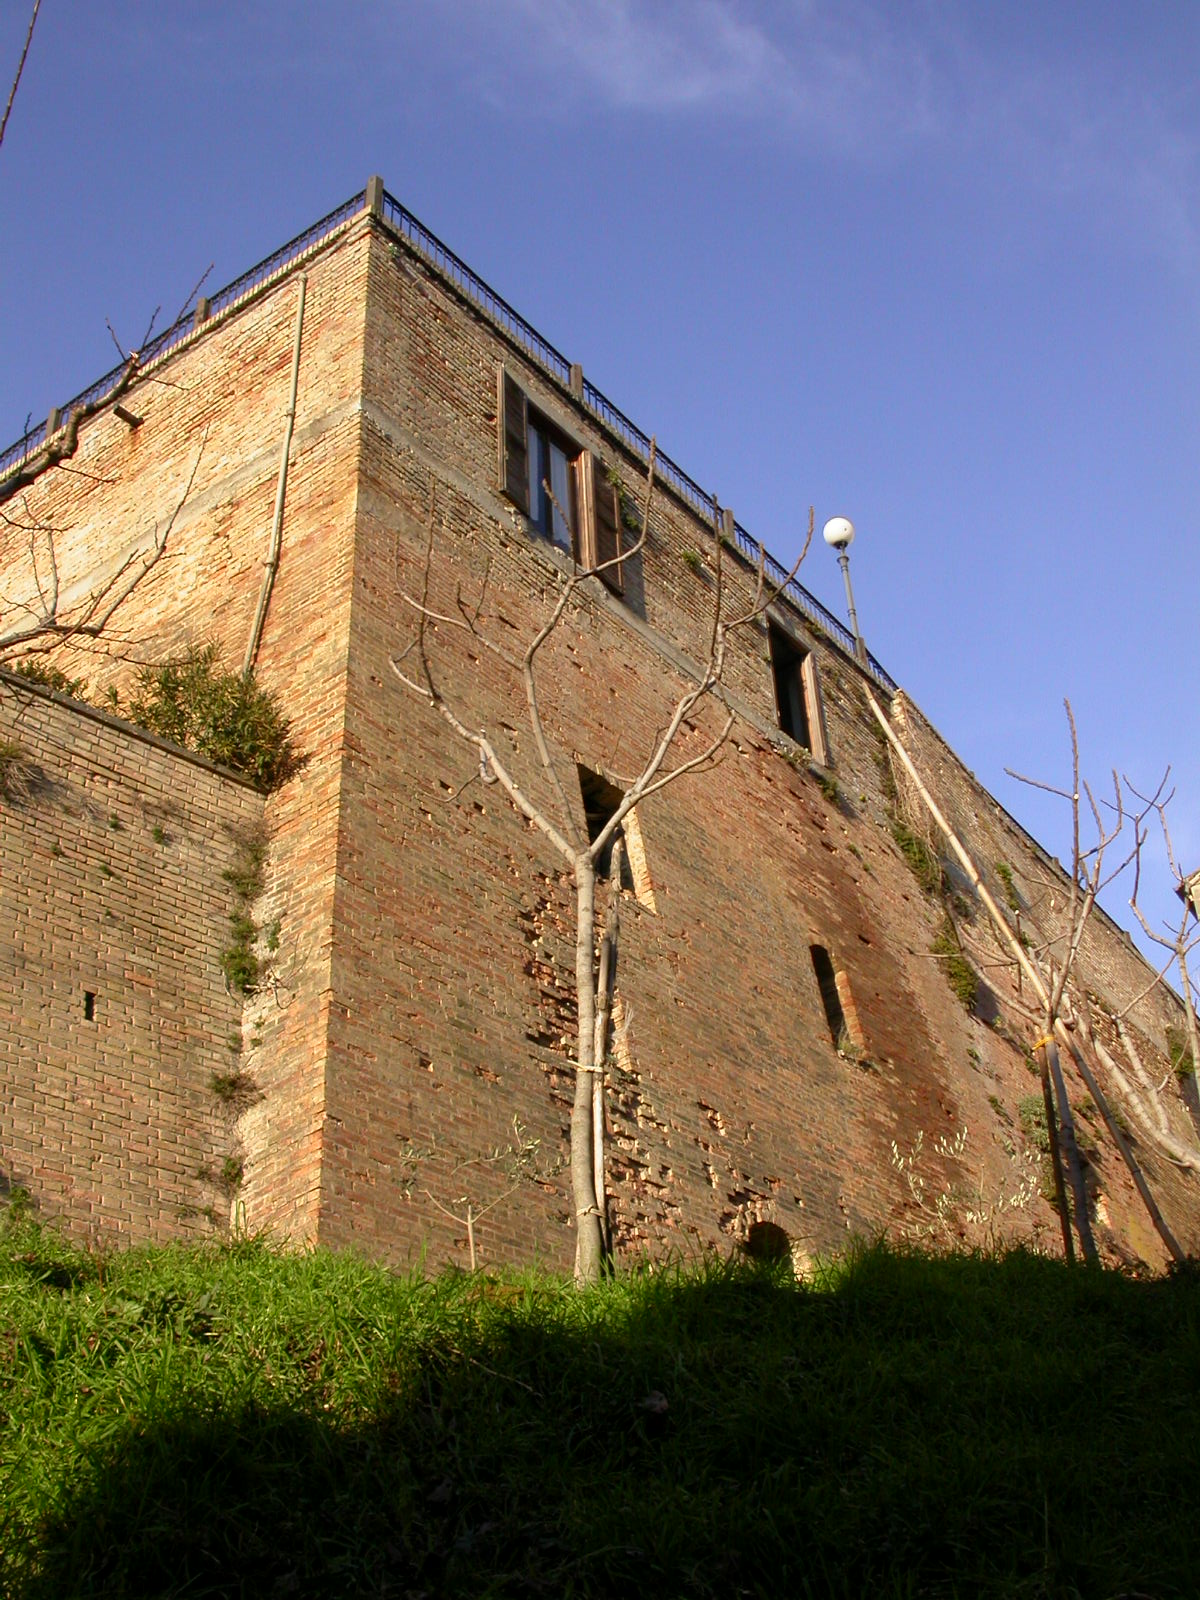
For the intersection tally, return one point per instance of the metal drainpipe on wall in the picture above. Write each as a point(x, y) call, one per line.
point(272, 562)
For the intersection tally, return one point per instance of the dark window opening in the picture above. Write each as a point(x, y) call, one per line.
point(827, 984)
point(89, 1006)
point(600, 801)
point(787, 664)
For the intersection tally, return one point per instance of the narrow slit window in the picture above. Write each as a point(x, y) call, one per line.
point(830, 999)
point(89, 1005)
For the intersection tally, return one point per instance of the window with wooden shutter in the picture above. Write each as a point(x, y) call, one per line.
point(601, 541)
point(816, 709)
point(513, 435)
point(564, 490)
point(798, 692)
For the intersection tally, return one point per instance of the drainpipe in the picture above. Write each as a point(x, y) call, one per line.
point(272, 562)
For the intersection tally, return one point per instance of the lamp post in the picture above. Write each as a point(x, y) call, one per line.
point(838, 534)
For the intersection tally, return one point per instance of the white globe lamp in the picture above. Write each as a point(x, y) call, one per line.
point(838, 534)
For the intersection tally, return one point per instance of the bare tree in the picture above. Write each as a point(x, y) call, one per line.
point(1145, 1097)
point(43, 620)
point(508, 1166)
point(1049, 977)
point(558, 822)
point(61, 443)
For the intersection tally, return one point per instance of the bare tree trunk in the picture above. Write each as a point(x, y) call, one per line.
point(1150, 1106)
point(1066, 1122)
point(604, 989)
point(1060, 1190)
point(1190, 1088)
point(589, 1248)
point(12, 93)
point(1122, 1143)
point(566, 837)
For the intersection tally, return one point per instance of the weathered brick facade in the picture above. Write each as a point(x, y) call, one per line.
point(422, 994)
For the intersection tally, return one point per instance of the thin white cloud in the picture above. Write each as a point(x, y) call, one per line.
point(873, 84)
point(844, 75)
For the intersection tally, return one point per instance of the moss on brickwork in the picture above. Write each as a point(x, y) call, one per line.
point(240, 962)
point(922, 863)
point(1180, 1053)
point(959, 973)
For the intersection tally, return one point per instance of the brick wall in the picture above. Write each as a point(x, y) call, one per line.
point(423, 992)
point(114, 1011)
point(453, 956)
point(213, 414)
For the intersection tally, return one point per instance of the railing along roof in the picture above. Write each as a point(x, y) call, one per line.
point(468, 283)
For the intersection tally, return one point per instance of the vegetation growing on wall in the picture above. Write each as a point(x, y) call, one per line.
point(226, 716)
point(1031, 1109)
point(924, 865)
point(40, 671)
point(238, 1090)
point(1180, 1052)
point(222, 715)
point(240, 962)
point(1011, 898)
point(14, 770)
point(960, 974)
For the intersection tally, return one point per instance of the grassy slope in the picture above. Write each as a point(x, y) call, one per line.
point(236, 1422)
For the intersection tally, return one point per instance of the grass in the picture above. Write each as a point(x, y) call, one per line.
point(229, 1421)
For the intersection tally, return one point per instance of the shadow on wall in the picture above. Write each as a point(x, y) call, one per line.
point(896, 1432)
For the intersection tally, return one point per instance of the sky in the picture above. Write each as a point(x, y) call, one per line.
point(930, 266)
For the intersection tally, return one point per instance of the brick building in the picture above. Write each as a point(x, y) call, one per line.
point(786, 1037)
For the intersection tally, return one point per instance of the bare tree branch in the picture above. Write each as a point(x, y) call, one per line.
point(12, 93)
point(62, 445)
point(97, 609)
point(1049, 986)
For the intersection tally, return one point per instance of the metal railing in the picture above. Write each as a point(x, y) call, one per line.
point(452, 268)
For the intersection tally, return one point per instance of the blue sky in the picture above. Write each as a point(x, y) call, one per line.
point(932, 266)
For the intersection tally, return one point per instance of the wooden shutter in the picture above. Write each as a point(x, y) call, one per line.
point(819, 739)
point(513, 438)
point(605, 515)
